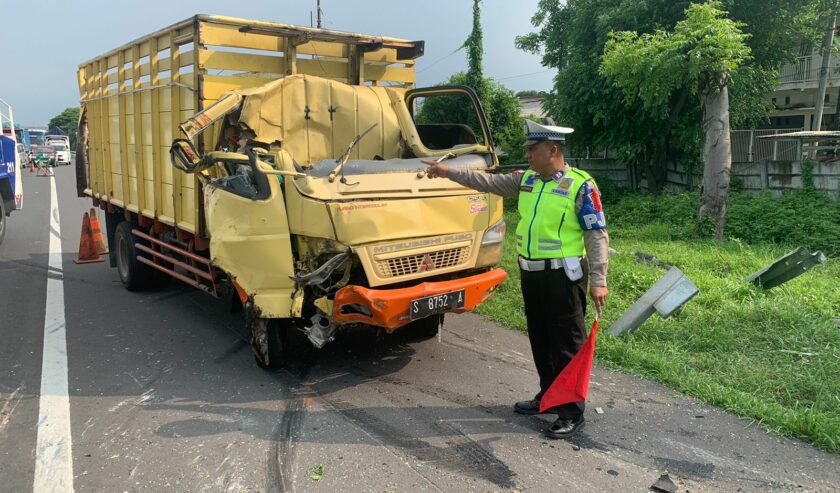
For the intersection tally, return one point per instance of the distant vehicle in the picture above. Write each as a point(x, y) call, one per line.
point(23, 155)
point(45, 155)
point(37, 137)
point(11, 186)
point(62, 153)
point(22, 135)
point(57, 139)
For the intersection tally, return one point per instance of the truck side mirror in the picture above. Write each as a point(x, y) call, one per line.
point(183, 155)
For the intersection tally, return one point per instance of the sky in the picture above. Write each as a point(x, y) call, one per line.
point(42, 43)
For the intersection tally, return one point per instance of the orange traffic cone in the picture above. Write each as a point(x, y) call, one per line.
point(87, 247)
point(98, 240)
point(31, 165)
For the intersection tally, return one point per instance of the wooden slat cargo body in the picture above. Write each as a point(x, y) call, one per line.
point(134, 97)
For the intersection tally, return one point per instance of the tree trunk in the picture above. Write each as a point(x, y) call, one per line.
point(717, 155)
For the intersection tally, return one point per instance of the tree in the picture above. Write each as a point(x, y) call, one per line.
point(475, 55)
point(530, 93)
point(571, 36)
point(68, 121)
point(701, 54)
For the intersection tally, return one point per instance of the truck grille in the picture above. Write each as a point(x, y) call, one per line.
point(412, 264)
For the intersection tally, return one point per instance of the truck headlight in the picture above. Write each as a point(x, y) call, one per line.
point(494, 234)
point(490, 252)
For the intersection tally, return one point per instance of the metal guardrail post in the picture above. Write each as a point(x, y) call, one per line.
point(784, 269)
point(668, 294)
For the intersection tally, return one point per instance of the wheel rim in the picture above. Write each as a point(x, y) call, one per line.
point(122, 258)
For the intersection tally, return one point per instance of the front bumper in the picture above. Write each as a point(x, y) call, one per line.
point(388, 308)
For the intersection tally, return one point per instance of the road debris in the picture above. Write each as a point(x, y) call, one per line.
point(667, 295)
point(664, 485)
point(599, 410)
point(315, 473)
point(786, 268)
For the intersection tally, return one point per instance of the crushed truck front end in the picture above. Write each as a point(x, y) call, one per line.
point(371, 239)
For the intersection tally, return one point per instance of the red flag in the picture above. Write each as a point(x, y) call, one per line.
point(572, 384)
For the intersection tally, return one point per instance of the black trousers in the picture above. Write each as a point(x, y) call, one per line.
point(555, 308)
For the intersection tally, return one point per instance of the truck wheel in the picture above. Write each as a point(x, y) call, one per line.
point(2, 219)
point(426, 328)
point(133, 274)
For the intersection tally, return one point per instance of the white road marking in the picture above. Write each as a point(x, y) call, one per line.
point(54, 449)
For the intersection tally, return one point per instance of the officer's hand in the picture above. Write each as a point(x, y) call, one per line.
point(435, 169)
point(599, 297)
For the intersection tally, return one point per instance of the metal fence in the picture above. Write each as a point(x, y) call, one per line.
point(773, 175)
point(747, 147)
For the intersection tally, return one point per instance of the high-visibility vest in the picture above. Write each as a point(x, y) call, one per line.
point(548, 225)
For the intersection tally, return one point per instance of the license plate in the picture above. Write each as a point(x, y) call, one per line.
point(423, 307)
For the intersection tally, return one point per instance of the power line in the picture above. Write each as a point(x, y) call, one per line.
point(524, 75)
point(439, 60)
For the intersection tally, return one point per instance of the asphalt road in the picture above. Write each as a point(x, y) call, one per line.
point(164, 395)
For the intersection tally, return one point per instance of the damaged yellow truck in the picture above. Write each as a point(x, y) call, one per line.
point(279, 166)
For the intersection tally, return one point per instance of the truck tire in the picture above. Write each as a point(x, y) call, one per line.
point(272, 352)
point(426, 328)
point(2, 219)
point(278, 343)
point(133, 274)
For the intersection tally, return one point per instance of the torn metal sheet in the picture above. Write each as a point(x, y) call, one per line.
point(323, 272)
point(669, 293)
point(786, 268)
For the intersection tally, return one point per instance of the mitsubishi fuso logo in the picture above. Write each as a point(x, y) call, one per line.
point(426, 264)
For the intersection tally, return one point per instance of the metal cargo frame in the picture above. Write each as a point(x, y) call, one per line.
point(134, 98)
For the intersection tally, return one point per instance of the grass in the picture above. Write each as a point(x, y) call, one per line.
point(771, 356)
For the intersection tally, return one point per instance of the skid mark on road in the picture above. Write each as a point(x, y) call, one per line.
point(463, 456)
point(9, 407)
point(281, 452)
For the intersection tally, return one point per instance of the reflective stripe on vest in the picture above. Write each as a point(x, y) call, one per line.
point(548, 225)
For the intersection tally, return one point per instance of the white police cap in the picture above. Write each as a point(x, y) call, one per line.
point(534, 132)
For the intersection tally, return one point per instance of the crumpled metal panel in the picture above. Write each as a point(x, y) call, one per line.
point(250, 241)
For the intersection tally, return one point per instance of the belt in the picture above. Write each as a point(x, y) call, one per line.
point(542, 264)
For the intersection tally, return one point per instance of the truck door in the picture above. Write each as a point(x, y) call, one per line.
point(249, 235)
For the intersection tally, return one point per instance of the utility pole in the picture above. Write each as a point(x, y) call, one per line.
point(828, 41)
point(320, 25)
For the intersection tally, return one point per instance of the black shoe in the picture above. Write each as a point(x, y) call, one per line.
point(527, 407)
point(564, 428)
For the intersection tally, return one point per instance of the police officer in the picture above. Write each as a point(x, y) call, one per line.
point(562, 243)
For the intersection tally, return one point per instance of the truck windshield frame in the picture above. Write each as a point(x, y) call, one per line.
point(413, 94)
